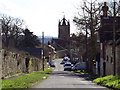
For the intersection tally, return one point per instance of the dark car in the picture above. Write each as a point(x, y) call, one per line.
point(52, 64)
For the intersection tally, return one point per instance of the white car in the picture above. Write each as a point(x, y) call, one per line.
point(67, 66)
point(79, 66)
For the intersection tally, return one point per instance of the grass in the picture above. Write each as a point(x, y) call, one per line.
point(26, 81)
point(15, 75)
point(0, 84)
point(78, 71)
point(109, 81)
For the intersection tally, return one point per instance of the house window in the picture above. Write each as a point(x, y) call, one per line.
point(111, 60)
point(107, 58)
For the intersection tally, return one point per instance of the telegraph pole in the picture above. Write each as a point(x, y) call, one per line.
point(114, 43)
point(43, 48)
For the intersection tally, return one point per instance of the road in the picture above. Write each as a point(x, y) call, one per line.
point(65, 79)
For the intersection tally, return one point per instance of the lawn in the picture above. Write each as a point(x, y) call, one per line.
point(26, 81)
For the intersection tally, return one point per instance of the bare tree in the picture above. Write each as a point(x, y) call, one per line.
point(11, 29)
point(89, 23)
point(90, 16)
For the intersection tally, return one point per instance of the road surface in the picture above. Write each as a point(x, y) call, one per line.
point(65, 79)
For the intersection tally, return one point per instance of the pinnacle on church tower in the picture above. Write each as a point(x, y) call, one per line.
point(64, 29)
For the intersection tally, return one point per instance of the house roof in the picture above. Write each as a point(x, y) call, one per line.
point(106, 29)
point(60, 43)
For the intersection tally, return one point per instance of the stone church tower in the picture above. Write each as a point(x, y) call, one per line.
point(64, 29)
point(63, 41)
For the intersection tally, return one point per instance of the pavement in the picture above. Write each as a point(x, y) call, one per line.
point(65, 79)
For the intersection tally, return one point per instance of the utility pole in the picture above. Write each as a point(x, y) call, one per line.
point(114, 43)
point(43, 48)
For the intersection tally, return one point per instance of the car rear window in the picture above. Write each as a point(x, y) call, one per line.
point(67, 64)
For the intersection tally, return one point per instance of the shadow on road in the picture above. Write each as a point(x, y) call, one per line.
point(67, 74)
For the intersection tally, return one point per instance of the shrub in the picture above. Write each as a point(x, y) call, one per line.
point(109, 81)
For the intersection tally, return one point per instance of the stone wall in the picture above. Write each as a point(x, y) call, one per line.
point(109, 60)
point(13, 63)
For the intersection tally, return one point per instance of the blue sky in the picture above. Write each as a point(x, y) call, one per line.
point(41, 15)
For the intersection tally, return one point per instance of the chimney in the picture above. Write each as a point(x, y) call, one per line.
point(105, 9)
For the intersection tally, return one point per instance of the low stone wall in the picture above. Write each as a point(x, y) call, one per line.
point(13, 63)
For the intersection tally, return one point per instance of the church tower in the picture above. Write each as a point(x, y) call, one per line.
point(64, 29)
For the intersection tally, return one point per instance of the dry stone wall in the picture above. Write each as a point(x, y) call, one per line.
point(13, 63)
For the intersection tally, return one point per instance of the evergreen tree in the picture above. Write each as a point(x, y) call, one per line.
point(29, 40)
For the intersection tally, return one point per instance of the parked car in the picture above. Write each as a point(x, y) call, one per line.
point(67, 66)
point(52, 64)
point(63, 61)
point(79, 66)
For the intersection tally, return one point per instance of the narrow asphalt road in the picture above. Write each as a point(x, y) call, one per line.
point(65, 79)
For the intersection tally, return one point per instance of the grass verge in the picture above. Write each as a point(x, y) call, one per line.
point(109, 81)
point(26, 81)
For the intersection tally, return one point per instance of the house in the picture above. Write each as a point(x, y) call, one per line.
point(51, 52)
point(109, 61)
point(106, 45)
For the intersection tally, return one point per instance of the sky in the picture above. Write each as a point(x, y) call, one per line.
point(42, 15)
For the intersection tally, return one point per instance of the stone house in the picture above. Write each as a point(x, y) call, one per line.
point(106, 51)
point(109, 65)
point(106, 45)
point(106, 48)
